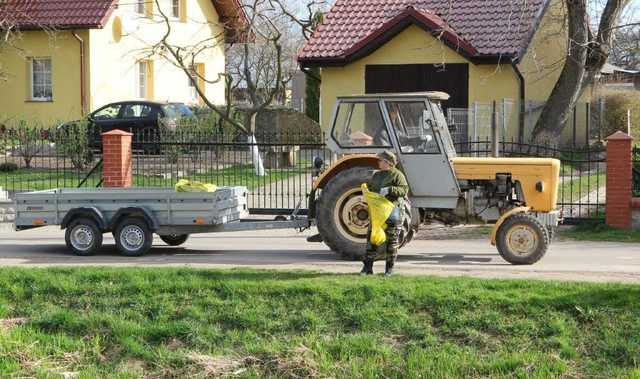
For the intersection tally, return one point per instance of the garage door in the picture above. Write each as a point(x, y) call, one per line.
point(451, 78)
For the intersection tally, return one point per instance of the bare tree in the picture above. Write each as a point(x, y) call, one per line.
point(261, 62)
point(586, 54)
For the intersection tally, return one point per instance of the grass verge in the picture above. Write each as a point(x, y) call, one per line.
point(600, 232)
point(170, 323)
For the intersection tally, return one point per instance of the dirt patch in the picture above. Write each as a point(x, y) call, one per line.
point(297, 363)
point(220, 366)
point(10, 323)
point(461, 232)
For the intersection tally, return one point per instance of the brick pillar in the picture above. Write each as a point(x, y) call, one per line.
point(619, 174)
point(117, 169)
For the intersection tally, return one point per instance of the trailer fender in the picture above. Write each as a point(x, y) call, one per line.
point(505, 216)
point(140, 212)
point(92, 213)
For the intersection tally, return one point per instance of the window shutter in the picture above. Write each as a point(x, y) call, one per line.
point(148, 8)
point(183, 10)
point(201, 83)
point(150, 80)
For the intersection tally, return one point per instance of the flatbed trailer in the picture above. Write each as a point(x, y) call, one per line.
point(133, 215)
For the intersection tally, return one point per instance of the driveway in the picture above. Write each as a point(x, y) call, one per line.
point(566, 260)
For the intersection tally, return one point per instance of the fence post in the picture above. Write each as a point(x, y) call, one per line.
point(619, 177)
point(495, 134)
point(117, 168)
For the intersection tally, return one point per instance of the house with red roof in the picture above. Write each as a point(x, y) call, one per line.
point(73, 56)
point(478, 51)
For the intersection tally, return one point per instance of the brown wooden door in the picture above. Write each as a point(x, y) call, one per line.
point(451, 78)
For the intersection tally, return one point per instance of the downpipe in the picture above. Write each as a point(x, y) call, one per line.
point(83, 103)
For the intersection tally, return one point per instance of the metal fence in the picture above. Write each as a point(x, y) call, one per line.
point(582, 187)
point(635, 164)
point(277, 168)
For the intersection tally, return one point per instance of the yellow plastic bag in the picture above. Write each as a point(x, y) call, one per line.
point(185, 185)
point(379, 211)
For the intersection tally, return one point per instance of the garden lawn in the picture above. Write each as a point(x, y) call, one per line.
point(240, 175)
point(176, 323)
point(600, 232)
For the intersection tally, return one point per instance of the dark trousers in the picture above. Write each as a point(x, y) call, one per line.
point(389, 249)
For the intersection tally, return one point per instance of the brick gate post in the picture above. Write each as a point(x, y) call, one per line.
point(619, 176)
point(117, 168)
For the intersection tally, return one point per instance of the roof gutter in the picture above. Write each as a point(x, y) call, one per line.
point(522, 95)
point(83, 101)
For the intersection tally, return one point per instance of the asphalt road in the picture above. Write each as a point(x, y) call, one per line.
point(566, 260)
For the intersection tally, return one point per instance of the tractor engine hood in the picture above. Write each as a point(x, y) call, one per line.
point(538, 177)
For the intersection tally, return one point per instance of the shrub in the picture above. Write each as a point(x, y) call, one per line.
point(72, 142)
point(8, 167)
point(616, 105)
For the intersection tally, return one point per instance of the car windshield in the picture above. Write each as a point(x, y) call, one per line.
point(176, 111)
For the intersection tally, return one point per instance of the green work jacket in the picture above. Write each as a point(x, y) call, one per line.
point(394, 179)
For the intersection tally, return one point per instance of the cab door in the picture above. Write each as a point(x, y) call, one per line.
point(421, 153)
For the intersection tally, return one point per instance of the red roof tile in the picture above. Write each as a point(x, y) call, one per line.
point(475, 28)
point(28, 14)
point(35, 14)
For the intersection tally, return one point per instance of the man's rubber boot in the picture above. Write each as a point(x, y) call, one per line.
point(367, 267)
point(388, 268)
point(315, 238)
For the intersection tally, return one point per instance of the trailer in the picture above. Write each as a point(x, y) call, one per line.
point(133, 215)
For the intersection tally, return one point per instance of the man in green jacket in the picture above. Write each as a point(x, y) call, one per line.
point(391, 183)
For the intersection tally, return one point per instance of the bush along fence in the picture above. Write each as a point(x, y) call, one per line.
point(278, 168)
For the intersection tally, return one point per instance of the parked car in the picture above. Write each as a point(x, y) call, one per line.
point(142, 118)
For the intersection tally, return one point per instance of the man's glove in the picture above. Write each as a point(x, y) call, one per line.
point(384, 191)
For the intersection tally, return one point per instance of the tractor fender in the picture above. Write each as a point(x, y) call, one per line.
point(345, 163)
point(91, 213)
point(494, 231)
point(140, 212)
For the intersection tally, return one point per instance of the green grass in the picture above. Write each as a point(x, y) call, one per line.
point(600, 232)
point(244, 175)
point(177, 323)
point(573, 190)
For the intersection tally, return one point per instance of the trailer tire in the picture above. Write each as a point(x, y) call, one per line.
point(522, 239)
point(174, 239)
point(133, 237)
point(83, 237)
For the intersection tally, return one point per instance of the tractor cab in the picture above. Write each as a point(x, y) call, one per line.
point(414, 127)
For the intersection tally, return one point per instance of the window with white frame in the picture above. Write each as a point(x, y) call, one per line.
point(175, 8)
point(192, 80)
point(41, 88)
point(142, 84)
point(140, 6)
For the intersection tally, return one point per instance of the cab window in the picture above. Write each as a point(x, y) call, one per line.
point(414, 133)
point(360, 125)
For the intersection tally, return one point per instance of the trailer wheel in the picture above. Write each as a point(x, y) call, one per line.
point(83, 237)
point(174, 239)
point(133, 237)
point(522, 239)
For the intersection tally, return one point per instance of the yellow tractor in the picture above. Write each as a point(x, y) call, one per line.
point(518, 195)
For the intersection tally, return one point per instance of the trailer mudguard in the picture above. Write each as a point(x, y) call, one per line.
point(92, 213)
point(140, 212)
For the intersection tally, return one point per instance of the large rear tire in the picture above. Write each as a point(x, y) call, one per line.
point(343, 215)
point(522, 239)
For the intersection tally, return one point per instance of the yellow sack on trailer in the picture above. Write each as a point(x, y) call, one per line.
point(185, 185)
point(379, 211)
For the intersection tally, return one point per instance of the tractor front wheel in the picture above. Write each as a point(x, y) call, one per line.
point(522, 239)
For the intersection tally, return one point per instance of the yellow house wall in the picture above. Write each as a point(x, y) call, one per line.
point(413, 46)
point(114, 56)
point(15, 92)
point(541, 67)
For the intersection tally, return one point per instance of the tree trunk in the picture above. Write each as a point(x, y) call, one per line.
point(568, 88)
point(250, 124)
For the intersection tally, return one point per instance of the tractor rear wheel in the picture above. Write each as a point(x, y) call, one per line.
point(522, 239)
point(343, 215)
